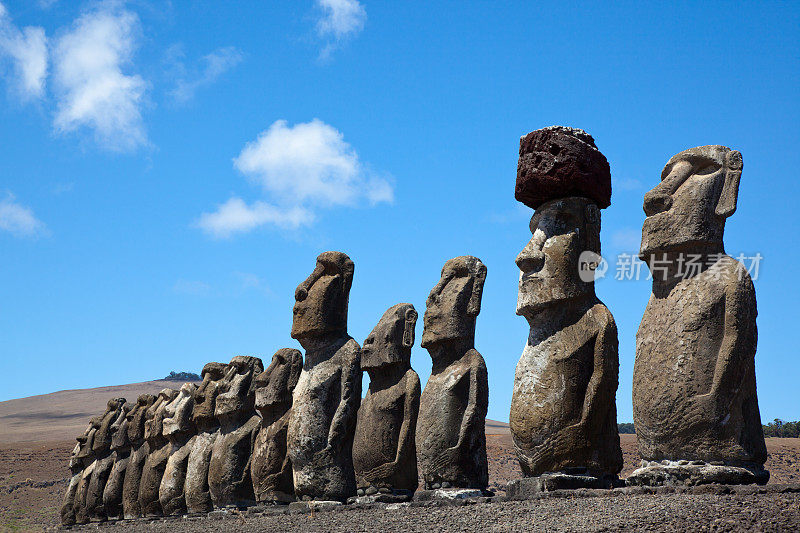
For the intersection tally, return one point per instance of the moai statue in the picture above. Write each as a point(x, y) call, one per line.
point(270, 468)
point(121, 452)
point(104, 459)
point(694, 384)
point(133, 473)
point(178, 429)
point(451, 439)
point(328, 393)
point(384, 451)
point(87, 458)
point(158, 450)
point(563, 409)
point(76, 466)
point(198, 497)
point(229, 470)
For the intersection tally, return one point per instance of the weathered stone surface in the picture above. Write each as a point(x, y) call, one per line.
point(563, 408)
point(121, 451)
point(531, 487)
point(76, 465)
point(87, 458)
point(271, 469)
point(451, 442)
point(229, 479)
point(384, 449)
point(694, 385)
point(157, 454)
point(178, 429)
point(104, 460)
point(139, 449)
point(198, 497)
point(557, 162)
point(449, 494)
point(671, 474)
point(328, 393)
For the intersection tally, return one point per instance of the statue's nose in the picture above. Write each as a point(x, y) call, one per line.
point(656, 202)
point(530, 259)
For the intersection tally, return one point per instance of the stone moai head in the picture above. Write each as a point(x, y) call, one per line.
point(320, 307)
point(119, 429)
point(178, 412)
point(390, 341)
point(454, 303)
point(137, 417)
point(275, 385)
point(102, 439)
point(206, 394)
point(236, 398)
point(154, 425)
point(87, 441)
point(80, 447)
point(550, 264)
point(687, 210)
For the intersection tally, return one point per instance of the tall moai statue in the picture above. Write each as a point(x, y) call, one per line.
point(563, 416)
point(139, 448)
point(271, 469)
point(229, 479)
point(121, 451)
point(384, 450)
point(694, 382)
point(197, 493)
point(328, 393)
point(87, 458)
point(178, 429)
point(76, 466)
point(157, 454)
point(104, 459)
point(451, 439)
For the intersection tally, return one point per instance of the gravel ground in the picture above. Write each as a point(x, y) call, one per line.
point(770, 511)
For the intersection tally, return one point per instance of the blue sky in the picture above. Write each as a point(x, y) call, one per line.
point(170, 170)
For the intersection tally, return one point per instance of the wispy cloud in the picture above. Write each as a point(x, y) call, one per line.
point(625, 184)
point(194, 288)
point(302, 168)
point(211, 67)
point(627, 240)
point(18, 219)
point(339, 20)
point(92, 89)
point(252, 282)
point(27, 50)
point(47, 4)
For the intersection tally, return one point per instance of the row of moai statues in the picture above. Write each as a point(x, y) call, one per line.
point(300, 430)
point(695, 408)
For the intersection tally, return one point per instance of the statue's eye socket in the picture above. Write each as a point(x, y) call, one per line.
point(704, 170)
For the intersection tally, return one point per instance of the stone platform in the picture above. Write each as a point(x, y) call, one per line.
point(673, 473)
point(526, 488)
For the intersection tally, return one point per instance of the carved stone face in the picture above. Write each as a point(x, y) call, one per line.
point(391, 339)
point(206, 394)
point(138, 416)
point(154, 425)
point(454, 302)
point(321, 300)
point(102, 439)
point(275, 385)
point(561, 230)
point(688, 208)
point(178, 412)
point(119, 429)
point(87, 442)
point(237, 389)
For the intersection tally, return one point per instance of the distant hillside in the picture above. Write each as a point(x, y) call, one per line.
point(63, 415)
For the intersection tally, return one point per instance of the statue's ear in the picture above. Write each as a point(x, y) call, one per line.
point(408, 327)
point(726, 205)
point(479, 277)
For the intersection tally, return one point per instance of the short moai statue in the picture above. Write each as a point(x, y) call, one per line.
point(384, 450)
point(76, 466)
point(133, 473)
point(157, 454)
point(178, 429)
point(229, 469)
point(198, 497)
point(270, 468)
point(121, 451)
point(328, 393)
point(104, 459)
point(87, 458)
point(695, 407)
point(563, 416)
point(451, 439)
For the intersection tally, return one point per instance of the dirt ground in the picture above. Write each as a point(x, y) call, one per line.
point(33, 476)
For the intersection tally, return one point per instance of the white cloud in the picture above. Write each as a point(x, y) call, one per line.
point(47, 4)
point(339, 20)
point(18, 219)
point(302, 168)
point(625, 184)
point(249, 281)
point(196, 288)
point(93, 92)
point(214, 65)
point(27, 49)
